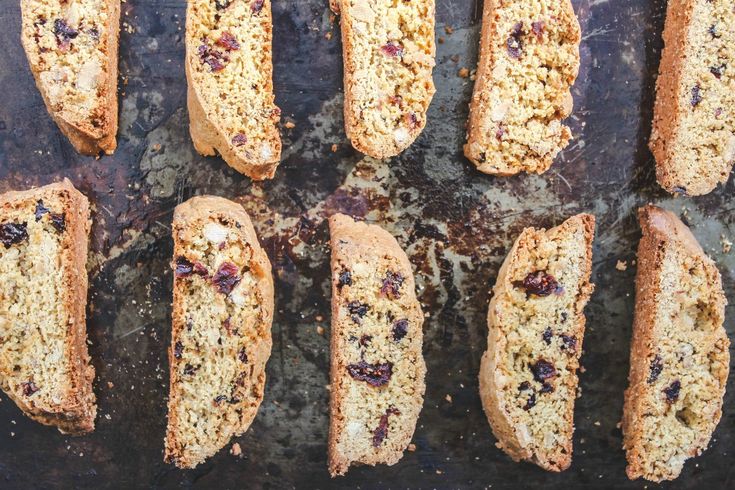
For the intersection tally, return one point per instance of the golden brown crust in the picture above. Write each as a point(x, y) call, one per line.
point(78, 410)
point(87, 139)
point(661, 230)
point(511, 439)
point(352, 241)
point(188, 216)
point(207, 134)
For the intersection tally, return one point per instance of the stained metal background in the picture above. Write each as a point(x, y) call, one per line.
point(455, 223)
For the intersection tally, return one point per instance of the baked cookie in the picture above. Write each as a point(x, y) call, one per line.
point(388, 59)
point(229, 70)
point(72, 51)
point(44, 363)
point(679, 359)
point(377, 369)
point(693, 138)
point(221, 328)
point(528, 375)
point(529, 59)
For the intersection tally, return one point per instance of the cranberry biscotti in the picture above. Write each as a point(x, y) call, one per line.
point(693, 138)
point(528, 375)
point(388, 59)
point(229, 70)
point(377, 369)
point(72, 51)
point(679, 360)
point(221, 328)
point(44, 363)
point(529, 59)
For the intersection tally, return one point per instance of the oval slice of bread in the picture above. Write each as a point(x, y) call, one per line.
point(693, 138)
point(44, 364)
point(388, 59)
point(221, 328)
point(72, 51)
point(229, 70)
point(529, 59)
point(528, 375)
point(679, 359)
point(377, 369)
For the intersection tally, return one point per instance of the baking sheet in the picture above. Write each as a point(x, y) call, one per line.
point(455, 223)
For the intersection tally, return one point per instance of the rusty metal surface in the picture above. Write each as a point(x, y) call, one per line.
point(456, 224)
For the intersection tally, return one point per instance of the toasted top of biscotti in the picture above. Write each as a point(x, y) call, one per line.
point(529, 58)
point(388, 59)
point(693, 138)
point(44, 364)
point(679, 352)
point(221, 337)
point(72, 51)
point(230, 69)
point(377, 370)
point(528, 380)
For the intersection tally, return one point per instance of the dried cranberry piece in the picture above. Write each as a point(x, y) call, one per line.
point(178, 350)
point(392, 49)
point(372, 374)
point(413, 120)
point(539, 283)
point(239, 139)
point(546, 388)
point(524, 386)
point(514, 44)
point(13, 233)
point(696, 95)
point(40, 210)
point(396, 100)
point(345, 278)
point(357, 310)
point(222, 4)
point(499, 133)
point(226, 277)
point(713, 32)
point(569, 343)
point(242, 355)
point(547, 335)
point(219, 400)
point(717, 71)
point(365, 340)
point(655, 369)
point(212, 57)
point(184, 268)
point(228, 42)
point(400, 329)
point(392, 283)
point(531, 402)
point(257, 6)
point(29, 388)
point(190, 370)
point(381, 432)
point(542, 370)
point(58, 221)
point(538, 28)
point(672, 392)
point(64, 33)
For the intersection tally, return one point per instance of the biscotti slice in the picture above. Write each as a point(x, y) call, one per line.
point(693, 138)
point(529, 59)
point(377, 369)
point(388, 59)
point(229, 70)
point(71, 47)
point(221, 328)
point(679, 358)
point(528, 375)
point(44, 363)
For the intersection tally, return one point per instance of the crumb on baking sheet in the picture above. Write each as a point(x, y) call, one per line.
point(726, 244)
point(621, 265)
point(463, 73)
point(236, 450)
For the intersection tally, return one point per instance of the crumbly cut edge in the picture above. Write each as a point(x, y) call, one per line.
point(203, 208)
point(80, 410)
point(84, 142)
point(371, 241)
point(206, 136)
point(484, 80)
point(501, 426)
point(352, 123)
point(659, 227)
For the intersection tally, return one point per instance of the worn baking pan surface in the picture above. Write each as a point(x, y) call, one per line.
point(455, 223)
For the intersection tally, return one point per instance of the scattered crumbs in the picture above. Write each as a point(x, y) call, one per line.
point(582, 441)
point(582, 369)
point(334, 147)
point(319, 318)
point(156, 147)
point(439, 472)
point(289, 125)
point(236, 450)
point(726, 244)
point(448, 398)
point(108, 417)
point(12, 422)
point(461, 385)
point(81, 455)
point(455, 58)
point(619, 425)
point(328, 36)
point(12, 434)
point(621, 265)
point(463, 73)
point(320, 330)
point(110, 385)
point(597, 423)
point(449, 30)
point(412, 447)
point(441, 40)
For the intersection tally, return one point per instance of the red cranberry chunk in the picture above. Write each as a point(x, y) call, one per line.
point(64, 33)
point(29, 388)
point(514, 44)
point(542, 370)
point(257, 6)
point(239, 139)
point(524, 386)
point(345, 278)
point(539, 283)
point(531, 402)
point(546, 388)
point(13, 233)
point(392, 283)
point(184, 268)
point(381, 432)
point(392, 49)
point(538, 28)
point(569, 343)
point(219, 400)
point(189, 370)
point(222, 4)
point(58, 221)
point(365, 340)
point(696, 95)
point(212, 57)
point(226, 277)
point(357, 310)
point(672, 391)
point(372, 374)
point(228, 42)
point(400, 329)
point(547, 335)
point(242, 356)
point(40, 210)
point(655, 369)
point(178, 350)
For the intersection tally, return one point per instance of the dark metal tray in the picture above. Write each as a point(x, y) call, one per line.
point(456, 224)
